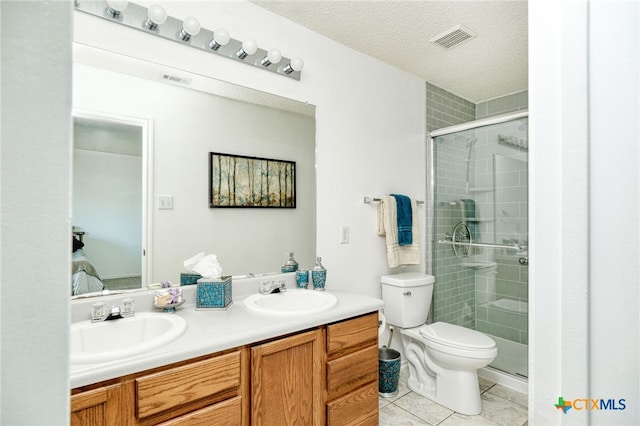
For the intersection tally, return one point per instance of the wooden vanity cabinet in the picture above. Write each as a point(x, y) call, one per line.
point(211, 390)
point(352, 371)
point(327, 375)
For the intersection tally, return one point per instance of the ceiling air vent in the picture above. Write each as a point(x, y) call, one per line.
point(176, 79)
point(453, 37)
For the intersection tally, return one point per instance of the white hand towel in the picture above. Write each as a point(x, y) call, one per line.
point(388, 226)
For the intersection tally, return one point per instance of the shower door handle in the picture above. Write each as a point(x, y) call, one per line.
point(523, 260)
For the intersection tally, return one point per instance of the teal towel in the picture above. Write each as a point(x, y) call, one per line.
point(470, 218)
point(405, 219)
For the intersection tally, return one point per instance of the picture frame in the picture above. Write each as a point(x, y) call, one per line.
point(255, 182)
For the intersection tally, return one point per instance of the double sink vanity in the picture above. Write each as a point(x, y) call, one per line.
point(297, 357)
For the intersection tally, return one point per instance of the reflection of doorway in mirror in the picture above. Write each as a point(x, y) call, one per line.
point(110, 155)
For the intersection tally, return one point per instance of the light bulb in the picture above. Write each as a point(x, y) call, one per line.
point(114, 7)
point(156, 16)
point(220, 38)
point(249, 47)
point(190, 27)
point(296, 64)
point(273, 57)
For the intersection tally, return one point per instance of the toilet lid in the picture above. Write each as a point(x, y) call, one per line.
point(454, 335)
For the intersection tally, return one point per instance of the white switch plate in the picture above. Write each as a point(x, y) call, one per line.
point(165, 202)
point(344, 234)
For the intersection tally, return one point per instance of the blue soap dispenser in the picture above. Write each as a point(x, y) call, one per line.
point(318, 275)
point(291, 265)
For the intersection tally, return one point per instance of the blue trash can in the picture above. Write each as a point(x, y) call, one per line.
point(388, 372)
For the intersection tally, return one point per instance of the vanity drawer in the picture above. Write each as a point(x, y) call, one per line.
point(356, 408)
point(351, 371)
point(226, 413)
point(344, 336)
point(181, 385)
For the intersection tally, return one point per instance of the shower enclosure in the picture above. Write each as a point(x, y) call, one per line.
point(479, 232)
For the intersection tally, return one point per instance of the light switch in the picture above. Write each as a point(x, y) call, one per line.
point(344, 234)
point(165, 202)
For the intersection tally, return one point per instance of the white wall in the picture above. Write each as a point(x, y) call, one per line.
point(107, 205)
point(584, 100)
point(370, 120)
point(614, 206)
point(35, 235)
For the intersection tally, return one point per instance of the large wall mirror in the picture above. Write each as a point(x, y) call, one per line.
point(142, 137)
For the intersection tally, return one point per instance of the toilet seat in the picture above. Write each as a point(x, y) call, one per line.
point(456, 337)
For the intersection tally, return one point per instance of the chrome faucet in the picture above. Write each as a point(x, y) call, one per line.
point(271, 287)
point(99, 311)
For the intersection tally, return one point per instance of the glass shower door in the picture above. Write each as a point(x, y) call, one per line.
point(480, 235)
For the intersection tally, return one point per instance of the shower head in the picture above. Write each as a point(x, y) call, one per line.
point(468, 142)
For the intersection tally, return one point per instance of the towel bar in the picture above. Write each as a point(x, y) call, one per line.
point(369, 200)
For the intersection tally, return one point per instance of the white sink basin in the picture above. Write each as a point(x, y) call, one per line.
point(291, 302)
point(109, 340)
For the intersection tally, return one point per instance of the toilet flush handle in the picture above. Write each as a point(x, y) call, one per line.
point(406, 293)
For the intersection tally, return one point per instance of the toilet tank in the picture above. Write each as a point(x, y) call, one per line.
point(407, 298)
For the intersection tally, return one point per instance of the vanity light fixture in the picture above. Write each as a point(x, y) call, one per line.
point(296, 64)
point(115, 7)
point(273, 57)
point(156, 15)
point(220, 38)
point(249, 47)
point(156, 21)
point(190, 27)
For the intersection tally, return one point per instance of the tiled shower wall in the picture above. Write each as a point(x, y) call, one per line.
point(454, 299)
point(453, 302)
point(445, 109)
point(518, 101)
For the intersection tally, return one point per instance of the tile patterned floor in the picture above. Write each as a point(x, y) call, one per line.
point(501, 406)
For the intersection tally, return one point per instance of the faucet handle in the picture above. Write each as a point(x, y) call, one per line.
point(281, 285)
point(265, 286)
point(98, 311)
point(128, 307)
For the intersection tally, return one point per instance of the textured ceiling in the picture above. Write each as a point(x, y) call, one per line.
point(492, 64)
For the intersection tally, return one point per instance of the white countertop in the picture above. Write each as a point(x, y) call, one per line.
point(213, 331)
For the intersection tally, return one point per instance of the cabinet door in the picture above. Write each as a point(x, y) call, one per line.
point(98, 407)
point(287, 381)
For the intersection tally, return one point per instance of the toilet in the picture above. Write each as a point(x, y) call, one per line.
point(443, 358)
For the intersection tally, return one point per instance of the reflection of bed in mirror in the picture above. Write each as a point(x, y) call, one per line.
point(84, 277)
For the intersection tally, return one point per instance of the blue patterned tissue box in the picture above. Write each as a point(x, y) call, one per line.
point(214, 293)
point(189, 278)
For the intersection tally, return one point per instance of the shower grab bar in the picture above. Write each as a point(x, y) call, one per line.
point(487, 245)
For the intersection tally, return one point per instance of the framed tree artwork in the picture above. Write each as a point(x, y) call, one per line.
point(240, 181)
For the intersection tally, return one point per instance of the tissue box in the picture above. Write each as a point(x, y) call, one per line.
point(214, 293)
point(189, 278)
